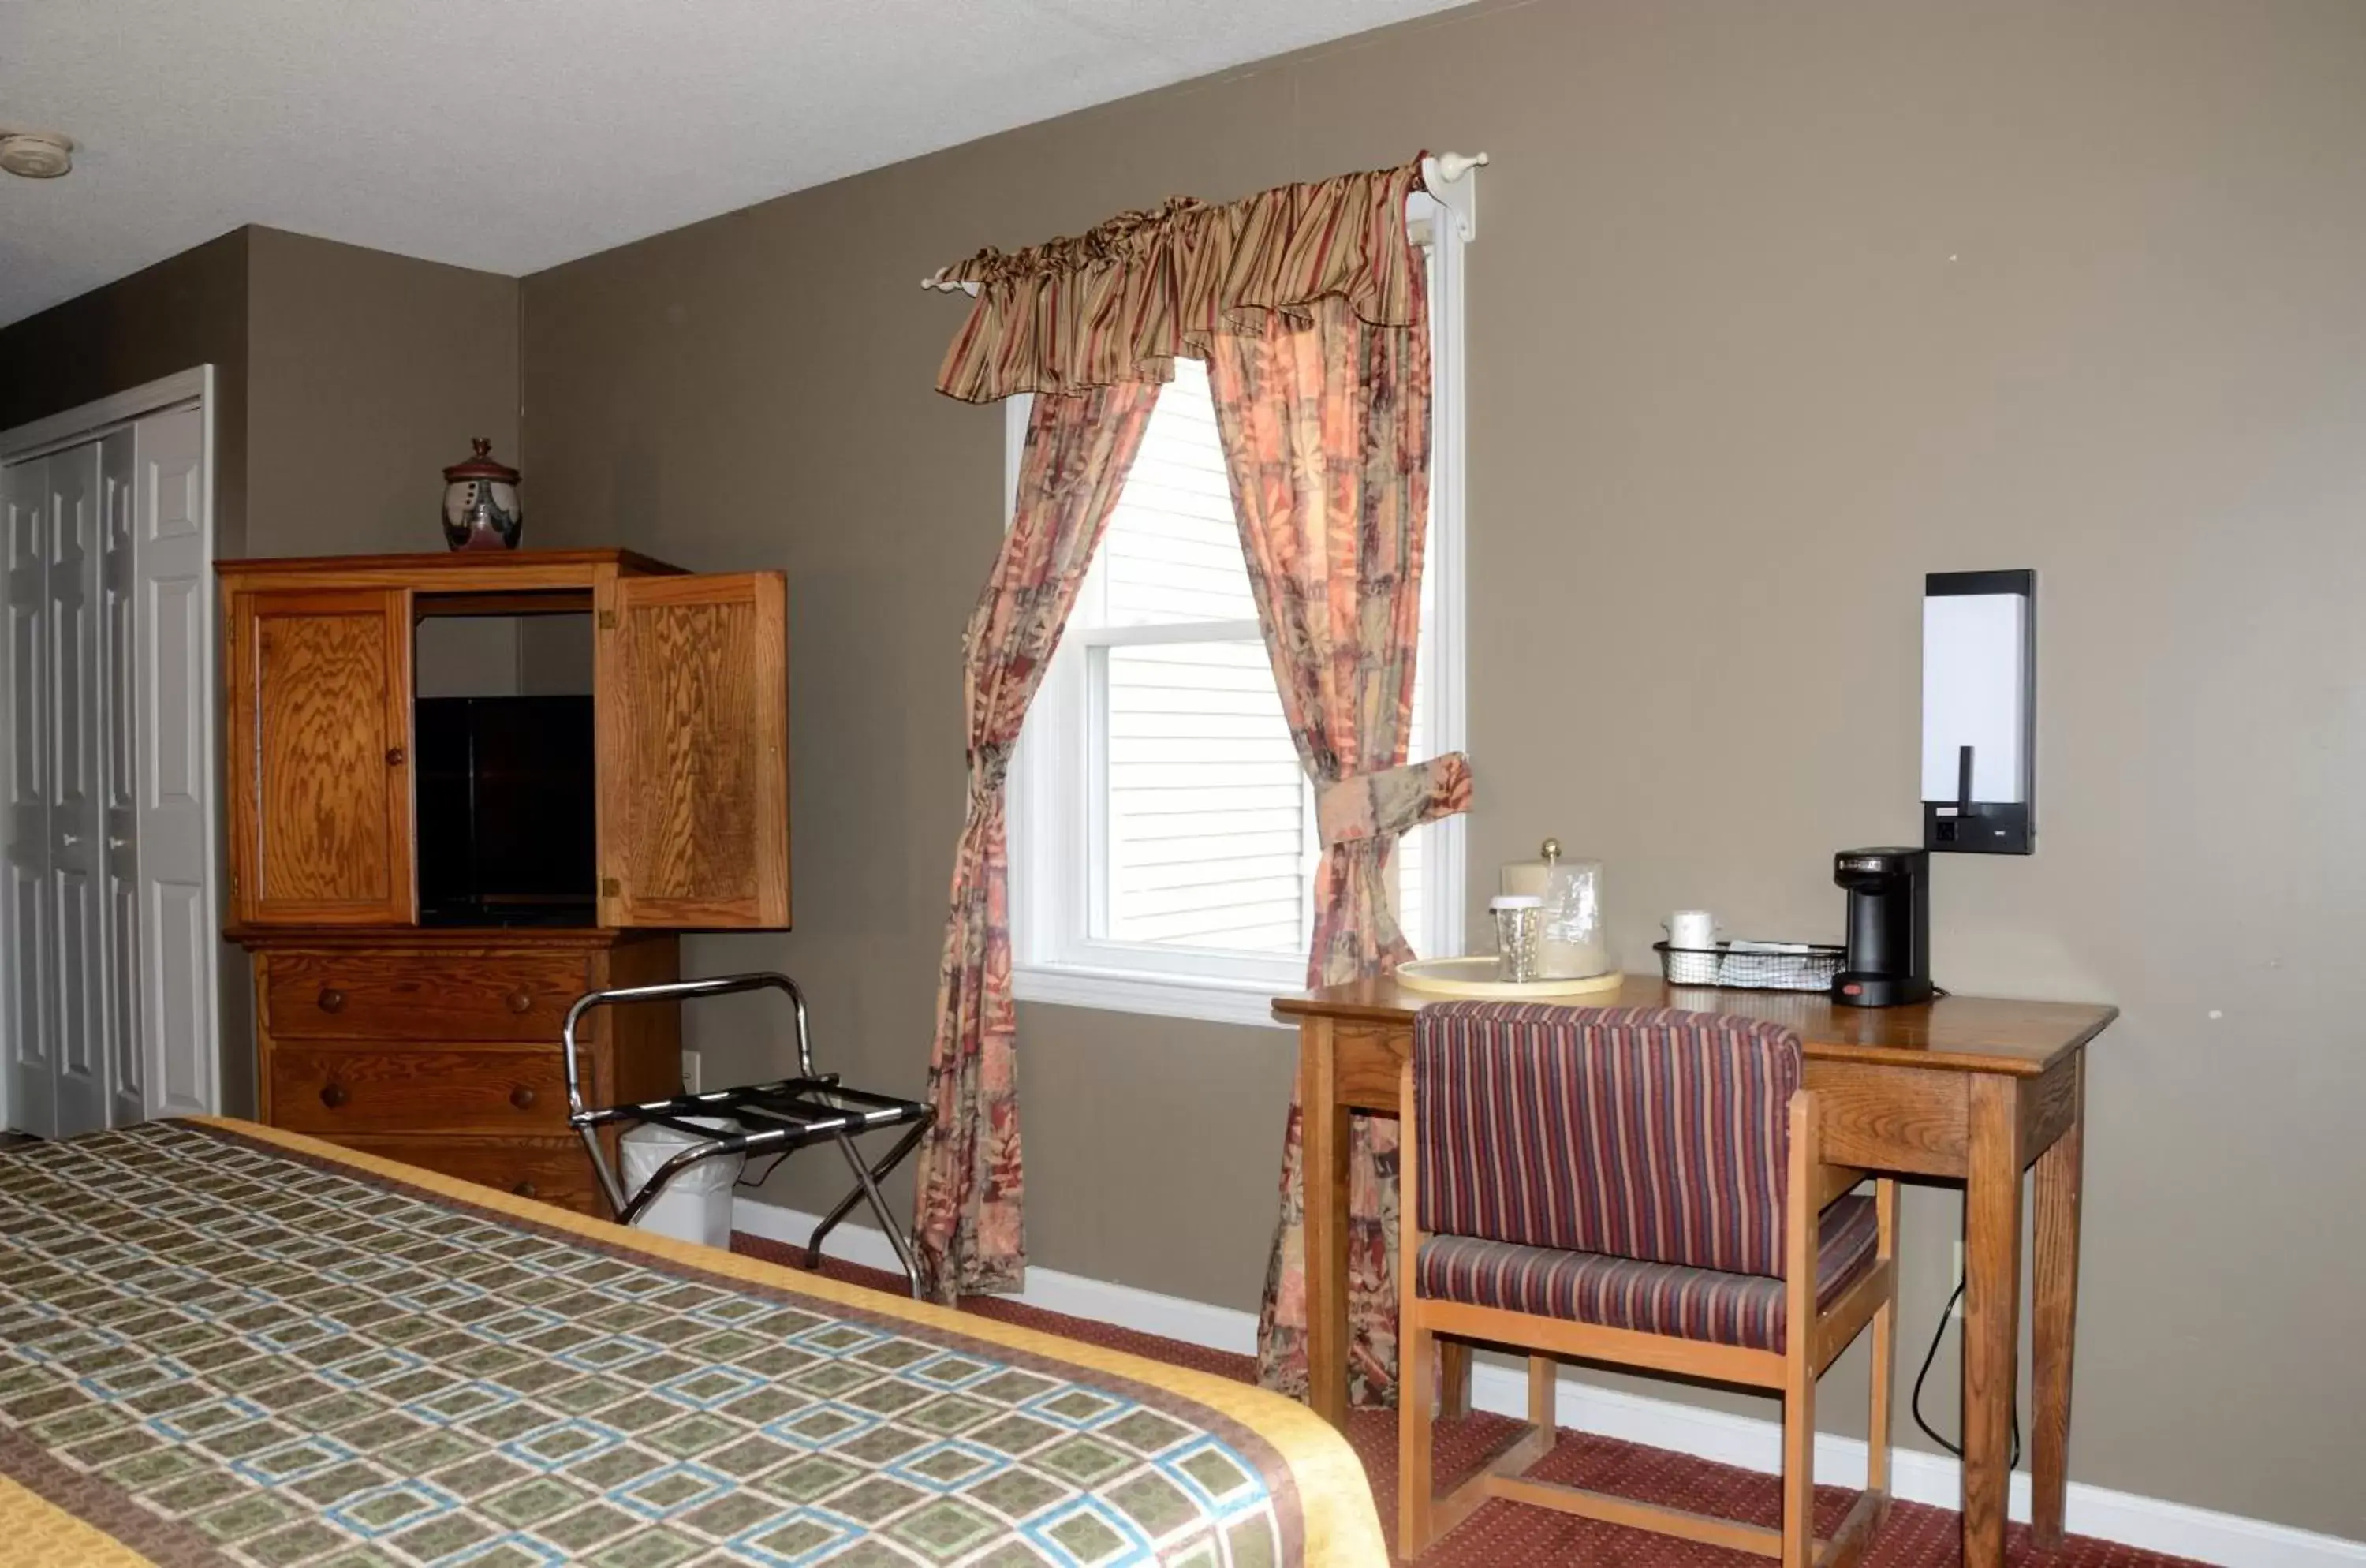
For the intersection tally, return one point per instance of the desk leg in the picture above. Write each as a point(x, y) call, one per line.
point(1991, 1311)
point(1323, 1161)
point(2055, 1310)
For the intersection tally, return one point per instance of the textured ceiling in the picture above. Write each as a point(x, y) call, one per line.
point(514, 134)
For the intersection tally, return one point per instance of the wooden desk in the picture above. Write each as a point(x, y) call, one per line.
point(1968, 1088)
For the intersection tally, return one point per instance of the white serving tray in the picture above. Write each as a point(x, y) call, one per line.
point(1475, 977)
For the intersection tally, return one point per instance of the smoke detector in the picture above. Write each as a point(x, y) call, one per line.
point(36, 154)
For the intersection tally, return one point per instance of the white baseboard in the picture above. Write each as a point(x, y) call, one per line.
point(1744, 1441)
point(1170, 1317)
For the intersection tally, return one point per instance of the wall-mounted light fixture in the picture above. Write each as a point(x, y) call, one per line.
point(1979, 711)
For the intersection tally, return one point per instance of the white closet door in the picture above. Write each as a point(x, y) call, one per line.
point(76, 686)
point(25, 855)
point(173, 719)
point(126, 1062)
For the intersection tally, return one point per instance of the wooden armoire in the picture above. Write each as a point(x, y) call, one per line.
point(388, 1028)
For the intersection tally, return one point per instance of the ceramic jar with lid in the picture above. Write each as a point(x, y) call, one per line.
point(480, 502)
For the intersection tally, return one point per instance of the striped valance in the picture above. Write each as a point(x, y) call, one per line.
point(1120, 301)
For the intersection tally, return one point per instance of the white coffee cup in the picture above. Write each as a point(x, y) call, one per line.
point(1692, 928)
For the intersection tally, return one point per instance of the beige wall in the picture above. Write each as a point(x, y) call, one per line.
point(370, 373)
point(467, 656)
point(187, 310)
point(555, 655)
point(1772, 309)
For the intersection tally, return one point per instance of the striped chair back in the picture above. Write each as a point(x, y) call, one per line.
point(1643, 1133)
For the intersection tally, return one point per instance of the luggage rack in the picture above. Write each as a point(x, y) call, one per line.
point(777, 1118)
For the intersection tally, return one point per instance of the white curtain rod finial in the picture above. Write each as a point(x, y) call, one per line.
point(1452, 167)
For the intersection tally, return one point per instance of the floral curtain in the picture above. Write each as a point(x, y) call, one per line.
point(1324, 418)
point(1078, 450)
point(1306, 301)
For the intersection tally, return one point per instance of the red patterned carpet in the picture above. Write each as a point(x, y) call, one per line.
point(1915, 1536)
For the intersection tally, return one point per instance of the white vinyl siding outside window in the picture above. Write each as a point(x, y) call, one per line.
point(1163, 850)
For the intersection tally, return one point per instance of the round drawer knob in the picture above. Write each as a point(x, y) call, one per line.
point(520, 1001)
point(333, 1095)
point(394, 756)
point(526, 1189)
point(331, 999)
point(523, 1097)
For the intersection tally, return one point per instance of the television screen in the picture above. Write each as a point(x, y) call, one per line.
point(507, 834)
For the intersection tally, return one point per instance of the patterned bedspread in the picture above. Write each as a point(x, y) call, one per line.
point(224, 1344)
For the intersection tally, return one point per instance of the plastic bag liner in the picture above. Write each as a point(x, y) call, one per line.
point(696, 1204)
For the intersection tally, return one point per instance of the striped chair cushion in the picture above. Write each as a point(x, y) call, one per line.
point(1655, 1298)
point(1640, 1132)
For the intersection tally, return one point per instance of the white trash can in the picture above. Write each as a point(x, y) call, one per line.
point(696, 1204)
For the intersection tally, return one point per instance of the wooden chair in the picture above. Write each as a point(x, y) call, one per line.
point(1643, 1188)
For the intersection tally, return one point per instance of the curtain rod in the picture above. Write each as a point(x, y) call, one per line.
point(1437, 171)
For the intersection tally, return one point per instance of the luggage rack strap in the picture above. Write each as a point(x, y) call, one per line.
point(801, 1099)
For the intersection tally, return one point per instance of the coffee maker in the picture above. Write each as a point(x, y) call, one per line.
point(1889, 961)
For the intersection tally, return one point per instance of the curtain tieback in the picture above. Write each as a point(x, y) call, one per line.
point(988, 769)
point(1385, 804)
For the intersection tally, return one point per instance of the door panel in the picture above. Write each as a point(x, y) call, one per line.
point(177, 956)
point(692, 692)
point(76, 510)
point(118, 777)
point(172, 828)
point(320, 723)
point(81, 1031)
point(119, 764)
point(28, 916)
point(32, 1090)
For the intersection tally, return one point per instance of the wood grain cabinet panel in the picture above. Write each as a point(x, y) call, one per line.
point(435, 1065)
point(332, 1091)
point(1369, 1061)
point(1893, 1118)
point(485, 994)
point(691, 691)
point(320, 737)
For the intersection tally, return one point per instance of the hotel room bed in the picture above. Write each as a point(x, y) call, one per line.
point(224, 1344)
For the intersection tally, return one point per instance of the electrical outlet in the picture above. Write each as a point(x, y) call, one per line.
point(1955, 1304)
point(690, 1085)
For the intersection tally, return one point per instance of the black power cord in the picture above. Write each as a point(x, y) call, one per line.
point(1946, 1314)
point(761, 1176)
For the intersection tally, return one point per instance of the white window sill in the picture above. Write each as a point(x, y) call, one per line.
point(1159, 996)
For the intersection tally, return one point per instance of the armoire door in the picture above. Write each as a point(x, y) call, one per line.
point(692, 699)
point(320, 726)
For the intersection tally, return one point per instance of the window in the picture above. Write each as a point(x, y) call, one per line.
point(1163, 842)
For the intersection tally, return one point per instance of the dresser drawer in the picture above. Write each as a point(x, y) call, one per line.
point(335, 1092)
point(554, 1171)
point(420, 995)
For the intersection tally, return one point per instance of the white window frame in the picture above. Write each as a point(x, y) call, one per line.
point(1054, 958)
